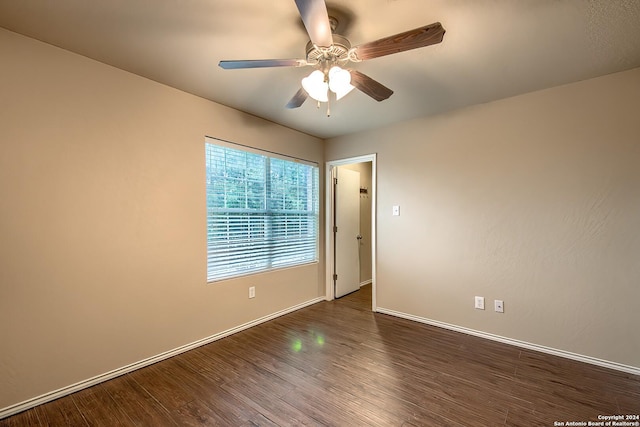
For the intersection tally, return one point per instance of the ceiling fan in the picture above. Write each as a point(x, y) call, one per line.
point(328, 53)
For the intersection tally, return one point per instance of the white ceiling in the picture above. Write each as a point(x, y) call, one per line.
point(492, 49)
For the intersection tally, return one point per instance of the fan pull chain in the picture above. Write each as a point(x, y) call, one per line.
point(329, 107)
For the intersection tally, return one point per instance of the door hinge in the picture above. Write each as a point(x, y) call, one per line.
point(335, 181)
point(335, 228)
point(335, 277)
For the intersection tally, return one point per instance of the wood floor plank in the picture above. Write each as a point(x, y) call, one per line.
point(261, 421)
point(98, 408)
point(139, 406)
point(197, 413)
point(271, 408)
point(339, 364)
point(60, 412)
point(330, 408)
point(159, 381)
point(222, 410)
point(23, 419)
point(628, 403)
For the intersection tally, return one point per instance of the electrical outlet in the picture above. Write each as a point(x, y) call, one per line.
point(499, 306)
point(480, 303)
point(252, 292)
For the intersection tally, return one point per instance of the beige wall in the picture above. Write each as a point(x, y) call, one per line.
point(534, 200)
point(102, 220)
point(364, 168)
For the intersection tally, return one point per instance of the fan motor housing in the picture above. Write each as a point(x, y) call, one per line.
point(338, 51)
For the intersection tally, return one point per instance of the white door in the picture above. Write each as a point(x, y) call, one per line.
point(346, 231)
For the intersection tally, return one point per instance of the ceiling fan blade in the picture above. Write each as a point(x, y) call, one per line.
point(412, 39)
point(262, 63)
point(367, 85)
point(316, 20)
point(298, 99)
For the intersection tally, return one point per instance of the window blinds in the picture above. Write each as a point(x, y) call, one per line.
point(262, 212)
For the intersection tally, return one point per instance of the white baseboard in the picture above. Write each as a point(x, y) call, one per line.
point(366, 282)
point(562, 353)
point(64, 391)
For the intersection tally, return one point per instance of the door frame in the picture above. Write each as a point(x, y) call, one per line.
point(329, 222)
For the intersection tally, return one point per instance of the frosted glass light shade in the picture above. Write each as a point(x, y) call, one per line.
point(340, 81)
point(316, 87)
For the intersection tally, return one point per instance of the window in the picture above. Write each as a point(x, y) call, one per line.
point(262, 212)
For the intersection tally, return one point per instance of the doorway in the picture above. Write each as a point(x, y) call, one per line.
point(366, 244)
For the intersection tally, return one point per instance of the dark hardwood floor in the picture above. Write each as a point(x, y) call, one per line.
point(338, 364)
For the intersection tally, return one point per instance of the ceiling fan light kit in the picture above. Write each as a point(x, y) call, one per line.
point(328, 53)
point(317, 84)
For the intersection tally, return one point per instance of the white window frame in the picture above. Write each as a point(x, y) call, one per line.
point(261, 232)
